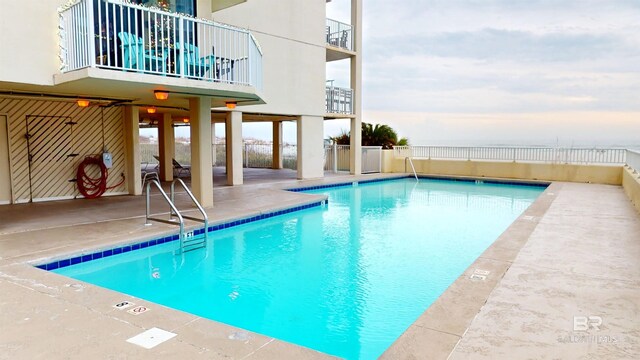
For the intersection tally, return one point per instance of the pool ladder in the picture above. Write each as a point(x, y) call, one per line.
point(188, 241)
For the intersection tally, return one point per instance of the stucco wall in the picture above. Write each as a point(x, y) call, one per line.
point(291, 35)
point(29, 41)
point(631, 185)
point(600, 174)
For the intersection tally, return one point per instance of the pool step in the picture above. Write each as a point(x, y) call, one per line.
point(193, 242)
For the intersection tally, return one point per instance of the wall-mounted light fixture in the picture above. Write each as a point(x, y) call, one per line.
point(161, 94)
point(185, 120)
point(151, 110)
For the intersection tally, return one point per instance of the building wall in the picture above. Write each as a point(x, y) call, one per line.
point(29, 41)
point(600, 174)
point(82, 138)
point(291, 35)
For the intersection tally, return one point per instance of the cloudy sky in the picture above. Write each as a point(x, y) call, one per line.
point(500, 71)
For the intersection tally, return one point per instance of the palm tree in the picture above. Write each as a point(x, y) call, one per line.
point(374, 135)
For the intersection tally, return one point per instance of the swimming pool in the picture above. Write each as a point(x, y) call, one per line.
point(345, 279)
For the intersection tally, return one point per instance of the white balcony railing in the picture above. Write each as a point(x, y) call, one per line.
point(339, 34)
point(338, 100)
point(517, 154)
point(633, 160)
point(118, 35)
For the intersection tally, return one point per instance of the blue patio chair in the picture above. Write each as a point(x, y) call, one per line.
point(136, 57)
point(192, 63)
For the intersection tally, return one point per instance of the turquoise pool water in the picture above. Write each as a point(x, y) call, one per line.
point(345, 279)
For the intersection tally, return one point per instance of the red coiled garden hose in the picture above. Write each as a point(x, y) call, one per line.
point(91, 187)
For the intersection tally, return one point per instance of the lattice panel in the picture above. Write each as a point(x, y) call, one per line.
point(56, 167)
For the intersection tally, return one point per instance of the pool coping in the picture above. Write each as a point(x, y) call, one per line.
point(216, 325)
point(442, 325)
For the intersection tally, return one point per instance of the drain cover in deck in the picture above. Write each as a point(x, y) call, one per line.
point(151, 338)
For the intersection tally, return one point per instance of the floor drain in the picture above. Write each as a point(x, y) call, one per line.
point(151, 338)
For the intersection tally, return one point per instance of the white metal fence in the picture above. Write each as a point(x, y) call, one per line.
point(633, 160)
point(371, 159)
point(258, 155)
point(337, 158)
point(517, 154)
point(338, 100)
point(119, 35)
point(339, 34)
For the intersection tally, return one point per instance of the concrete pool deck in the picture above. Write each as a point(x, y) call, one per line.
point(577, 254)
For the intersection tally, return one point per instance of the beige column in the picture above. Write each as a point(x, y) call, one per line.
point(201, 166)
point(167, 147)
point(132, 149)
point(355, 148)
point(277, 143)
point(233, 134)
point(355, 155)
point(310, 131)
point(213, 143)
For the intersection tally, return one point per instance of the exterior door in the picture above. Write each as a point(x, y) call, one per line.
point(50, 159)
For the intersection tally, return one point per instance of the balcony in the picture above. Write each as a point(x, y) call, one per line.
point(339, 40)
point(124, 37)
point(338, 100)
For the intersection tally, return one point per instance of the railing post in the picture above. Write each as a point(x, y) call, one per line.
point(246, 156)
point(249, 55)
point(147, 222)
point(181, 54)
point(335, 157)
point(90, 33)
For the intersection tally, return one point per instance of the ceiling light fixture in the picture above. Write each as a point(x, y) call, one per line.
point(161, 94)
point(231, 105)
point(83, 103)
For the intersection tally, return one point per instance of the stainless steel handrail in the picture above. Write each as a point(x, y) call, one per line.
point(174, 211)
point(412, 167)
point(205, 218)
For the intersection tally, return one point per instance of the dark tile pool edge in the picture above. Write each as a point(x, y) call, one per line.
point(424, 333)
point(345, 183)
point(482, 180)
point(477, 180)
point(68, 261)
